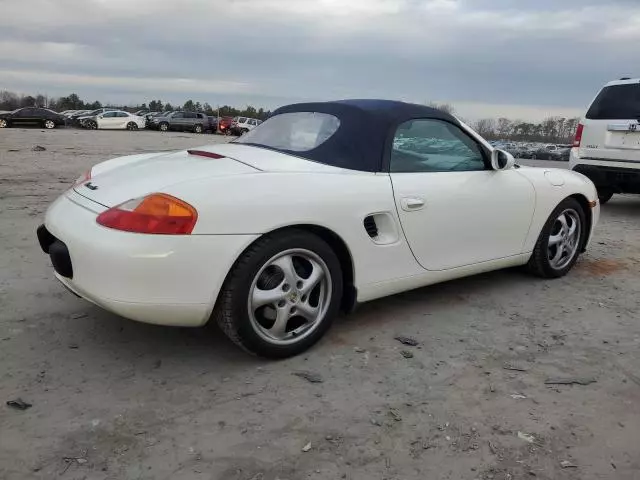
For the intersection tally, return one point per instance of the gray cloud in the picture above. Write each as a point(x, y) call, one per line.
point(540, 56)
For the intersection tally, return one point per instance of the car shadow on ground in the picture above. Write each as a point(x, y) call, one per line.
point(130, 343)
point(623, 205)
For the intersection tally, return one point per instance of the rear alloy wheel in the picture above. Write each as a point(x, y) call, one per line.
point(604, 195)
point(3, 123)
point(197, 128)
point(163, 127)
point(282, 295)
point(49, 124)
point(560, 241)
point(132, 126)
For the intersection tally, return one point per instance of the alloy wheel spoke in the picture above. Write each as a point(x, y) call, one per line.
point(308, 284)
point(555, 239)
point(285, 263)
point(307, 311)
point(266, 297)
point(279, 327)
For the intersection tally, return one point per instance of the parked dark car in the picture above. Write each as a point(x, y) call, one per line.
point(191, 121)
point(32, 117)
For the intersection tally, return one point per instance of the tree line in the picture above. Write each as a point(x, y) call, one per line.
point(550, 130)
point(11, 101)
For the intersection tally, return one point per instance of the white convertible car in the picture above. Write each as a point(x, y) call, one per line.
point(322, 206)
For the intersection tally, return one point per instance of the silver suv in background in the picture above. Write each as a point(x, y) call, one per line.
point(607, 143)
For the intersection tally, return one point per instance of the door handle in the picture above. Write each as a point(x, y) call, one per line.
point(411, 203)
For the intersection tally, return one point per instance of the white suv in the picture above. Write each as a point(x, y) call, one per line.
point(242, 125)
point(607, 144)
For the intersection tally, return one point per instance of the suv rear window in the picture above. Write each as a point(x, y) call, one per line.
point(295, 132)
point(616, 102)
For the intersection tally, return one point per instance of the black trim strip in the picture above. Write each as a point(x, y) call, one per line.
point(609, 160)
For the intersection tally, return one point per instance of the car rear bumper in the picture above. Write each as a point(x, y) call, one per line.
point(161, 279)
point(620, 178)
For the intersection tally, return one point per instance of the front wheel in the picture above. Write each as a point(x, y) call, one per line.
point(49, 124)
point(604, 195)
point(163, 127)
point(197, 128)
point(132, 126)
point(91, 125)
point(3, 123)
point(282, 294)
point(560, 241)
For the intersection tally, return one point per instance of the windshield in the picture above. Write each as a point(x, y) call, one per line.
point(296, 132)
point(616, 102)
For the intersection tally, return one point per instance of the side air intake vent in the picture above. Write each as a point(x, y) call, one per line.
point(370, 226)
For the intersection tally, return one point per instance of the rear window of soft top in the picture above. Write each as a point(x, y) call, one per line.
point(616, 102)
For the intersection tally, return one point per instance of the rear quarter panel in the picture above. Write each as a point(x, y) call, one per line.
point(263, 202)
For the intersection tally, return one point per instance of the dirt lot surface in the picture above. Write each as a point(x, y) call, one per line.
point(115, 399)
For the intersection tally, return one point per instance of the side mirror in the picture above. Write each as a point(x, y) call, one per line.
point(501, 160)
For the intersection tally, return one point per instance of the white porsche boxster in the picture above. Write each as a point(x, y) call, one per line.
point(321, 207)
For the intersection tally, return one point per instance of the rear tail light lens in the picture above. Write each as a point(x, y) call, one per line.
point(157, 213)
point(578, 138)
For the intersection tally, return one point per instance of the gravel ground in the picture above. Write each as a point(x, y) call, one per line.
point(115, 399)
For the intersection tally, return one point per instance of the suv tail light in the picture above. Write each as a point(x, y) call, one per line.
point(578, 138)
point(157, 213)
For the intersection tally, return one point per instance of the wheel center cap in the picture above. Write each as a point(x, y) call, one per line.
point(293, 296)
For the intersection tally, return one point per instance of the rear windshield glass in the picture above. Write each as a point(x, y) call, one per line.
point(617, 102)
point(296, 132)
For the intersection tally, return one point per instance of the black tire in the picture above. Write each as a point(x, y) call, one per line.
point(92, 125)
point(539, 263)
point(49, 124)
point(232, 314)
point(163, 127)
point(604, 195)
point(132, 126)
point(197, 128)
point(4, 123)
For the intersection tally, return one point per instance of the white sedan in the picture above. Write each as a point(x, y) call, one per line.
point(321, 207)
point(115, 120)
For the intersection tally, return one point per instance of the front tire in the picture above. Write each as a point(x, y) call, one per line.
point(282, 294)
point(560, 241)
point(163, 127)
point(4, 123)
point(91, 125)
point(49, 124)
point(197, 128)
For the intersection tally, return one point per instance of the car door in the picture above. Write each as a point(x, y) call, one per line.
point(454, 209)
point(177, 120)
point(23, 117)
point(107, 120)
point(121, 119)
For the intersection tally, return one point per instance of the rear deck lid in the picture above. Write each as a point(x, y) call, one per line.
point(122, 179)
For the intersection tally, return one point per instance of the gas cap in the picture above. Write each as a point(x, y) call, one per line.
point(555, 178)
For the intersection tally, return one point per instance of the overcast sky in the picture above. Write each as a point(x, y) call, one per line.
point(518, 58)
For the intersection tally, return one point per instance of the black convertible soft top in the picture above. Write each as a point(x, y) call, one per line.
point(363, 140)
